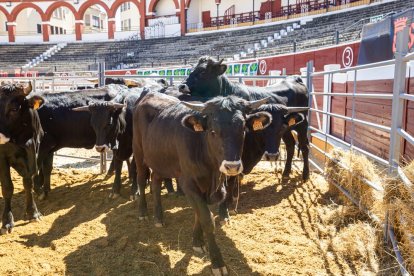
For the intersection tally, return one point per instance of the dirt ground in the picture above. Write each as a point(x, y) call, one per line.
point(282, 228)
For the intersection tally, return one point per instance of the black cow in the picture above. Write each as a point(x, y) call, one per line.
point(200, 144)
point(112, 123)
point(20, 135)
point(65, 128)
point(207, 80)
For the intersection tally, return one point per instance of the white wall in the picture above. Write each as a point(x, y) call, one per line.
point(165, 7)
point(27, 21)
point(3, 21)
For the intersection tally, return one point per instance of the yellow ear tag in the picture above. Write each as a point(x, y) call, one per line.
point(292, 121)
point(257, 125)
point(36, 104)
point(198, 127)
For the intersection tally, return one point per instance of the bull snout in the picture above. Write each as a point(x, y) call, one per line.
point(101, 149)
point(231, 168)
point(3, 139)
point(183, 88)
point(271, 156)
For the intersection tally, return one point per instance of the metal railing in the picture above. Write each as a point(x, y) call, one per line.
point(397, 133)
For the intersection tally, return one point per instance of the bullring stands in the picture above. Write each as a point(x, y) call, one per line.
point(317, 32)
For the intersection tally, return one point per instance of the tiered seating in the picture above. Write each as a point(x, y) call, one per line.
point(15, 56)
point(318, 32)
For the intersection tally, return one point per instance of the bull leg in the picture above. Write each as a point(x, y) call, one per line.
point(156, 193)
point(223, 206)
point(198, 240)
point(38, 180)
point(31, 209)
point(290, 151)
point(47, 166)
point(168, 184)
point(131, 169)
point(304, 147)
point(206, 221)
point(179, 191)
point(143, 174)
point(111, 169)
point(116, 186)
point(133, 175)
point(7, 191)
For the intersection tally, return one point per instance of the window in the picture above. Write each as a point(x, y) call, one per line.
point(39, 28)
point(87, 20)
point(52, 30)
point(61, 30)
point(95, 21)
point(125, 6)
point(56, 30)
point(7, 27)
point(126, 25)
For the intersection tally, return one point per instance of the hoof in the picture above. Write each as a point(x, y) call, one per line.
point(38, 219)
point(7, 230)
point(159, 225)
point(285, 175)
point(144, 218)
point(133, 197)
point(225, 221)
point(222, 271)
point(42, 196)
point(233, 212)
point(200, 250)
point(114, 195)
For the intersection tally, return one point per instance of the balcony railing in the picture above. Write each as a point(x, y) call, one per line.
point(290, 11)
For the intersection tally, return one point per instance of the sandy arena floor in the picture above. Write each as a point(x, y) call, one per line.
point(282, 228)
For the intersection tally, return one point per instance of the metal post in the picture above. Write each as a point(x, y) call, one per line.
point(397, 102)
point(53, 84)
point(309, 85)
point(217, 18)
point(284, 72)
point(254, 17)
point(103, 162)
point(337, 37)
point(294, 46)
point(101, 73)
point(171, 81)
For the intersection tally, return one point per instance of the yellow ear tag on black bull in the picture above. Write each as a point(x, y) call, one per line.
point(257, 125)
point(198, 127)
point(292, 121)
point(36, 104)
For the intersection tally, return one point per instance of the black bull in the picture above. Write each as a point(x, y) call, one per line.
point(20, 135)
point(64, 127)
point(199, 144)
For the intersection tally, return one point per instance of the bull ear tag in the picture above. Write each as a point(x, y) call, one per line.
point(257, 125)
point(291, 121)
point(198, 127)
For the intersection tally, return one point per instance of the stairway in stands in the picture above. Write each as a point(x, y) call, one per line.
point(44, 56)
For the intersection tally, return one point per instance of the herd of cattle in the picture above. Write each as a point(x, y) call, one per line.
point(205, 133)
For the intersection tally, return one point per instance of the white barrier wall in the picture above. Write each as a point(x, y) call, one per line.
point(95, 37)
point(29, 38)
point(62, 38)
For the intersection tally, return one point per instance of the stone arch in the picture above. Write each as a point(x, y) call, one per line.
point(5, 12)
point(89, 4)
point(154, 3)
point(15, 12)
point(117, 3)
point(58, 4)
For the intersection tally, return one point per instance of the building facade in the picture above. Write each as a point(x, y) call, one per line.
point(103, 19)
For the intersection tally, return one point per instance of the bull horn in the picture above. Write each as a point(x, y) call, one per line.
point(82, 108)
point(193, 106)
point(94, 80)
point(27, 89)
point(258, 103)
point(129, 82)
point(118, 105)
point(295, 109)
point(220, 62)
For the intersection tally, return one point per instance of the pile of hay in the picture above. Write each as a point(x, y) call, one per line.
point(400, 199)
point(359, 168)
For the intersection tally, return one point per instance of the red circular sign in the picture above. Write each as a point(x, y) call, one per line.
point(263, 67)
point(347, 57)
